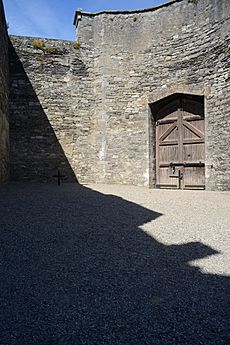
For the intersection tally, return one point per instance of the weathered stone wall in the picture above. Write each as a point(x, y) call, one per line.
point(4, 91)
point(87, 111)
point(51, 96)
point(143, 56)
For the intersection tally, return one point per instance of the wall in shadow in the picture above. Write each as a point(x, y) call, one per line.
point(77, 269)
point(4, 95)
point(35, 151)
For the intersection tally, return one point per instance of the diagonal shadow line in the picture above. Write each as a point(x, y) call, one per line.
point(77, 269)
point(35, 152)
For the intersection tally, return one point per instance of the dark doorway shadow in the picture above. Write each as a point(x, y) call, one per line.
point(77, 269)
point(35, 152)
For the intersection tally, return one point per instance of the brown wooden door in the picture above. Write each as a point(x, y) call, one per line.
point(180, 144)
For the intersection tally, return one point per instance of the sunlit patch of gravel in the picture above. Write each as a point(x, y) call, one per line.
point(187, 216)
point(113, 265)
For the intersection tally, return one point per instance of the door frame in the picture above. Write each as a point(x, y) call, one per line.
point(152, 106)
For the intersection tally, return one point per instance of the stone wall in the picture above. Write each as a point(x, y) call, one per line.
point(142, 56)
point(4, 91)
point(50, 98)
point(87, 111)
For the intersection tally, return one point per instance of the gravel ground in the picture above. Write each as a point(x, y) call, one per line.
point(114, 265)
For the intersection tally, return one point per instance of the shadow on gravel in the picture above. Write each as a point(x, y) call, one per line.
point(77, 269)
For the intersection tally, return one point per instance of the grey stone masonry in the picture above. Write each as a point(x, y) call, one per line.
point(51, 102)
point(85, 108)
point(4, 93)
point(142, 56)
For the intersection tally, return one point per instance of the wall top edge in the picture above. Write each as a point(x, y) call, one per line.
point(79, 14)
point(39, 38)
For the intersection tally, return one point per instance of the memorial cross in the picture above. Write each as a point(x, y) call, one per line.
point(59, 176)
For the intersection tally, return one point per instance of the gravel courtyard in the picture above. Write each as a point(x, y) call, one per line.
point(114, 265)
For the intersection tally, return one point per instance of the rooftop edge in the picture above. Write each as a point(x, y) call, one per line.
point(78, 13)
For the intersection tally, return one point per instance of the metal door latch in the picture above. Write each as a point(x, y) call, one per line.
point(179, 176)
point(172, 167)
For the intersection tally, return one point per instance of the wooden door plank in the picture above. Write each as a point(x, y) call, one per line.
point(193, 141)
point(180, 134)
point(167, 132)
point(168, 142)
point(179, 141)
point(193, 129)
